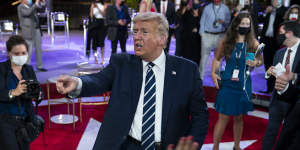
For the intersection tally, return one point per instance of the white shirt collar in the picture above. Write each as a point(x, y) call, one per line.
point(295, 46)
point(159, 61)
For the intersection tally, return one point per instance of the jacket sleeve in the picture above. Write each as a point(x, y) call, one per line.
point(172, 14)
point(198, 110)
point(109, 18)
point(26, 12)
point(3, 89)
point(100, 82)
point(128, 18)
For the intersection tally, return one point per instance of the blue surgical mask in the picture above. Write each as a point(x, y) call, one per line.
point(29, 2)
point(279, 3)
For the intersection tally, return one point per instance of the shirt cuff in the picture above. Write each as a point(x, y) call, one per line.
point(77, 91)
point(267, 76)
point(281, 92)
point(295, 78)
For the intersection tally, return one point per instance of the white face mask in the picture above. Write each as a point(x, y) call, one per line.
point(20, 60)
point(293, 17)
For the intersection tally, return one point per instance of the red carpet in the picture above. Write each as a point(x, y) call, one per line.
point(62, 137)
point(254, 129)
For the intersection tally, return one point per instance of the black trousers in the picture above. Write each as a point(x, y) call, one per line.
point(289, 138)
point(122, 37)
point(269, 53)
point(178, 36)
point(277, 113)
point(8, 138)
point(96, 34)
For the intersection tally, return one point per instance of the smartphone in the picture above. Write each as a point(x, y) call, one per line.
point(250, 56)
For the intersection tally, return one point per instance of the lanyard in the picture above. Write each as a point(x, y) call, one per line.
point(215, 10)
point(239, 54)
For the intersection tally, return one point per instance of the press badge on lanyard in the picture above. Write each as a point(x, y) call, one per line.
point(236, 71)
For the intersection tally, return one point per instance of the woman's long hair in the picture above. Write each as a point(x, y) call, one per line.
point(232, 34)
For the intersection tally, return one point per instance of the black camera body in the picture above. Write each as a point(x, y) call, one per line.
point(33, 89)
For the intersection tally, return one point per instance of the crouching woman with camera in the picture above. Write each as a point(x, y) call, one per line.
point(16, 110)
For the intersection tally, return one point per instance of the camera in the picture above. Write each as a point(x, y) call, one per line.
point(33, 89)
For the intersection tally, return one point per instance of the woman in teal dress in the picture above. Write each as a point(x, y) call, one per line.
point(234, 95)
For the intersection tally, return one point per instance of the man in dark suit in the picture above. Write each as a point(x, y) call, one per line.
point(167, 8)
point(117, 18)
point(283, 98)
point(289, 83)
point(156, 98)
point(274, 16)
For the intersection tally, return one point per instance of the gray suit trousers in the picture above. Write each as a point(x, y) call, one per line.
point(36, 43)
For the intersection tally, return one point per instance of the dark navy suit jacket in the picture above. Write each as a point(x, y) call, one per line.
point(292, 93)
point(184, 110)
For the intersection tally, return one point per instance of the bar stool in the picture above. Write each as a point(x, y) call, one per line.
point(7, 27)
point(60, 19)
point(61, 118)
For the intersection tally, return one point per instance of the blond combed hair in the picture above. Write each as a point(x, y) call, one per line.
point(162, 22)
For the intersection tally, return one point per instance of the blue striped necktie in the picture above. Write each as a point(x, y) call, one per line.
point(148, 140)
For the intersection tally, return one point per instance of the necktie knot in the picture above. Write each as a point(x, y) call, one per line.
point(150, 65)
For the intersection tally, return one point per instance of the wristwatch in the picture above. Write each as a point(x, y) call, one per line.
point(10, 94)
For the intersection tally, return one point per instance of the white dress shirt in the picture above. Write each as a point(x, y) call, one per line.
point(159, 72)
point(162, 5)
point(292, 58)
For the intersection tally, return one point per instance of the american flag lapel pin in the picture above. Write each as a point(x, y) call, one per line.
point(174, 73)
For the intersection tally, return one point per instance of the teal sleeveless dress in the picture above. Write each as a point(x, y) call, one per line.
point(235, 97)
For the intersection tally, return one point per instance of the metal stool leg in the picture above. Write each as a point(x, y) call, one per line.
point(73, 113)
point(48, 92)
point(80, 109)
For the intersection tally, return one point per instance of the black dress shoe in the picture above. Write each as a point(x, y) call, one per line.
point(42, 69)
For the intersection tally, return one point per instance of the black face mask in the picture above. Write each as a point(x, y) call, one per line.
point(183, 3)
point(196, 6)
point(247, 7)
point(280, 39)
point(244, 30)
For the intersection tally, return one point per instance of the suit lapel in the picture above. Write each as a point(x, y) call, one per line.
point(136, 79)
point(169, 83)
point(296, 60)
point(282, 56)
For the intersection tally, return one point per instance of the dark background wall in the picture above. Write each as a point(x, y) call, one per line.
point(77, 9)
